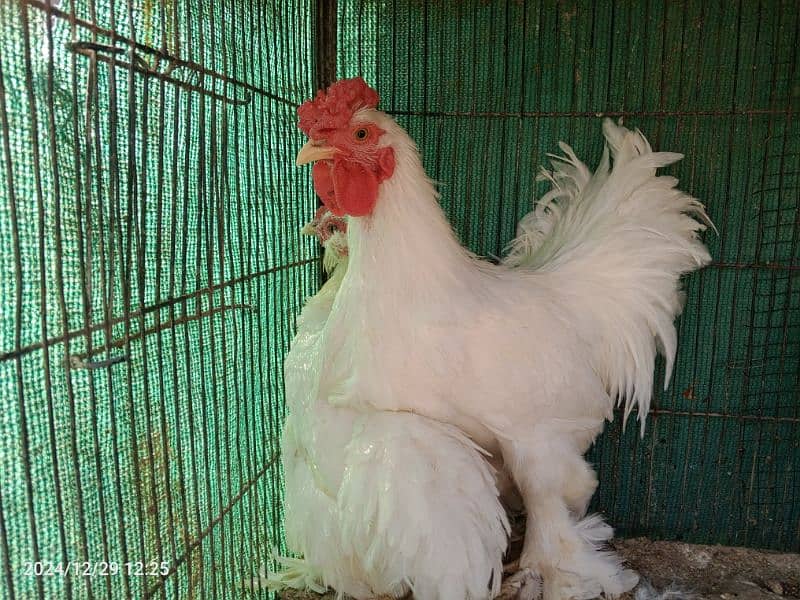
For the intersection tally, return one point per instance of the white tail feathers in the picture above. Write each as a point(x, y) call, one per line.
point(617, 242)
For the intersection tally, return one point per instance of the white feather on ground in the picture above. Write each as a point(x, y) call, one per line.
point(646, 591)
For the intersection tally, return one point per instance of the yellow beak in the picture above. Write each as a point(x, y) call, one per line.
point(313, 151)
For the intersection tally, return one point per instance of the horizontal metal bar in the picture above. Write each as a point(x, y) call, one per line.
point(717, 415)
point(593, 114)
point(12, 354)
point(76, 362)
point(90, 49)
point(162, 326)
point(755, 266)
point(174, 60)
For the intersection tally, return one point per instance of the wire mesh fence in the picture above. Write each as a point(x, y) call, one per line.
point(153, 264)
point(151, 272)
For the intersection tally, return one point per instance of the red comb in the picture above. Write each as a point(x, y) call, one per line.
point(333, 108)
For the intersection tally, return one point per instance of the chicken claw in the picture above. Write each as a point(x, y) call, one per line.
point(525, 584)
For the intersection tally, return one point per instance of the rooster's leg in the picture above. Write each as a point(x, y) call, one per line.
point(556, 483)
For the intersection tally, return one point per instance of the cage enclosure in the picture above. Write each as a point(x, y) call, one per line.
point(152, 264)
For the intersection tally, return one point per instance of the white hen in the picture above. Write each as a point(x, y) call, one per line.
point(380, 502)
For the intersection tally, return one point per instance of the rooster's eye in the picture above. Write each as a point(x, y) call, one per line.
point(361, 134)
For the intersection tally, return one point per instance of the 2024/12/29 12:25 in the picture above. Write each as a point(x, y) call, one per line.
point(46, 568)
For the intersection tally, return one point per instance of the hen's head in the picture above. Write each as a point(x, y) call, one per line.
point(331, 231)
point(348, 144)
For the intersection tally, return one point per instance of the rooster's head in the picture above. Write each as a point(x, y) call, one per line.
point(349, 147)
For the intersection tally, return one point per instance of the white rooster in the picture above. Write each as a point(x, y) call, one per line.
point(527, 358)
point(379, 502)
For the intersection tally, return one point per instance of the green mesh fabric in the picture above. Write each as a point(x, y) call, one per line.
point(150, 218)
point(488, 88)
point(151, 265)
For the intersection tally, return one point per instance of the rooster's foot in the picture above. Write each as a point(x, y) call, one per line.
point(295, 574)
point(525, 584)
point(563, 585)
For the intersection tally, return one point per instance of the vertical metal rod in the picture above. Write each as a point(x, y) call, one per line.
point(24, 442)
point(255, 180)
point(323, 53)
point(43, 292)
point(53, 148)
point(111, 284)
point(162, 365)
point(82, 160)
point(323, 43)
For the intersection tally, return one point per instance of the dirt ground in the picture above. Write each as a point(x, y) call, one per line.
point(714, 572)
point(707, 572)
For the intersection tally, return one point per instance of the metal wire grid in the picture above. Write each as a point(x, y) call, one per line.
point(486, 88)
point(152, 272)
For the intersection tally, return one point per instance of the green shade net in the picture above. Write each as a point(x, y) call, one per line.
point(151, 265)
point(150, 219)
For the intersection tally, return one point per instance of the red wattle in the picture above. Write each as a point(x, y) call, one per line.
point(356, 188)
point(324, 188)
point(349, 188)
